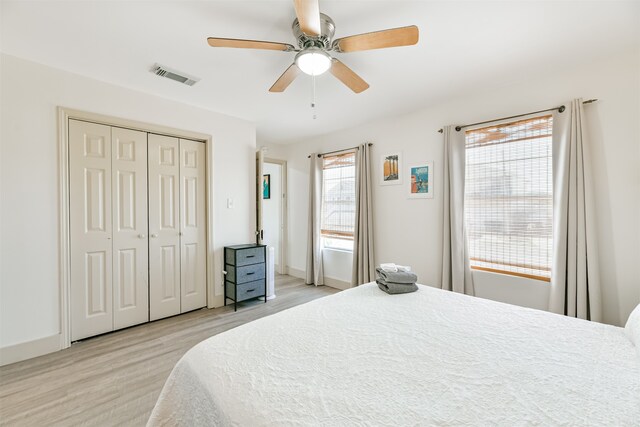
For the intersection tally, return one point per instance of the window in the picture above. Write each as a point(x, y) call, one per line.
point(338, 200)
point(508, 197)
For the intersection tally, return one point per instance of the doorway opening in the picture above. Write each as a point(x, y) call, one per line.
point(273, 209)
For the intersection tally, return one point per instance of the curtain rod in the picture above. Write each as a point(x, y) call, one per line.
point(560, 109)
point(339, 151)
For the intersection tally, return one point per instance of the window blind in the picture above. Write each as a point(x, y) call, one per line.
point(508, 197)
point(338, 196)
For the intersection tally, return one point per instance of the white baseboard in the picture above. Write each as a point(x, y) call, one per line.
point(30, 349)
point(329, 281)
point(300, 274)
point(337, 283)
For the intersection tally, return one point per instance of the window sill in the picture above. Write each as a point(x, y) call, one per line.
point(545, 280)
point(348, 251)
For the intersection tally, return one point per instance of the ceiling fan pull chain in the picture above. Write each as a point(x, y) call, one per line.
point(313, 96)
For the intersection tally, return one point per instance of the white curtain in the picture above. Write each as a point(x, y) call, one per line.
point(456, 271)
point(575, 281)
point(363, 263)
point(315, 274)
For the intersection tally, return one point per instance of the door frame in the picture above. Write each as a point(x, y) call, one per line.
point(66, 114)
point(283, 266)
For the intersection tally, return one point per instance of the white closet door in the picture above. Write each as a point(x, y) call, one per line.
point(192, 225)
point(164, 226)
point(90, 228)
point(130, 245)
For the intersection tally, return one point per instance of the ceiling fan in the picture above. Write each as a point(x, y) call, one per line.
point(314, 33)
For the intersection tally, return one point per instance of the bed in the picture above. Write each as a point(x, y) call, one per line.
point(427, 358)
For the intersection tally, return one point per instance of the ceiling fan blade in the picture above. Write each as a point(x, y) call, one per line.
point(347, 76)
point(404, 36)
point(248, 44)
point(308, 13)
point(285, 79)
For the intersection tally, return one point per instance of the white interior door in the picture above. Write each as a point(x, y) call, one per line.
point(272, 218)
point(130, 244)
point(164, 226)
point(90, 229)
point(193, 243)
point(259, 194)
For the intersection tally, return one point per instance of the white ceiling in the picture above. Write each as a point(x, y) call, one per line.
point(463, 46)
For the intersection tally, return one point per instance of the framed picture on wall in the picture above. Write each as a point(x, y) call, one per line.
point(391, 169)
point(266, 186)
point(421, 181)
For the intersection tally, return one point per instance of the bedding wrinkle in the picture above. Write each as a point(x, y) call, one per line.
point(431, 357)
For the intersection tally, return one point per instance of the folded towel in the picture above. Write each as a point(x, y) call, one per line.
point(389, 266)
point(385, 282)
point(397, 276)
point(396, 288)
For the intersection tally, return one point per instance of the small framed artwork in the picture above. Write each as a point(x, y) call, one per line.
point(421, 181)
point(390, 169)
point(266, 186)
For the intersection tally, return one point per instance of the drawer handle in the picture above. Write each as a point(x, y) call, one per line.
point(250, 290)
point(250, 256)
point(250, 273)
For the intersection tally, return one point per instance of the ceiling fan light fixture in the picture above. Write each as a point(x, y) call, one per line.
point(313, 61)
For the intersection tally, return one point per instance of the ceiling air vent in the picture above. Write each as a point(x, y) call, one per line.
point(178, 76)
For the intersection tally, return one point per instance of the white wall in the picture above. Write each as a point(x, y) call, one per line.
point(337, 266)
point(271, 210)
point(410, 231)
point(29, 283)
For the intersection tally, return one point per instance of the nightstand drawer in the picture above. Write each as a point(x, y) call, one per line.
point(245, 256)
point(246, 290)
point(246, 273)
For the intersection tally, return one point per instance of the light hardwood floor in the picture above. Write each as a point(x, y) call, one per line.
point(115, 379)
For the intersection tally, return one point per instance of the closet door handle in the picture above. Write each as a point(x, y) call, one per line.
point(154, 235)
point(142, 236)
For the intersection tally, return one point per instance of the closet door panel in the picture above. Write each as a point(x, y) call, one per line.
point(90, 229)
point(192, 225)
point(130, 242)
point(164, 226)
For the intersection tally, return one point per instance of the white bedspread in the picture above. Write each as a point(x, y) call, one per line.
point(427, 358)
